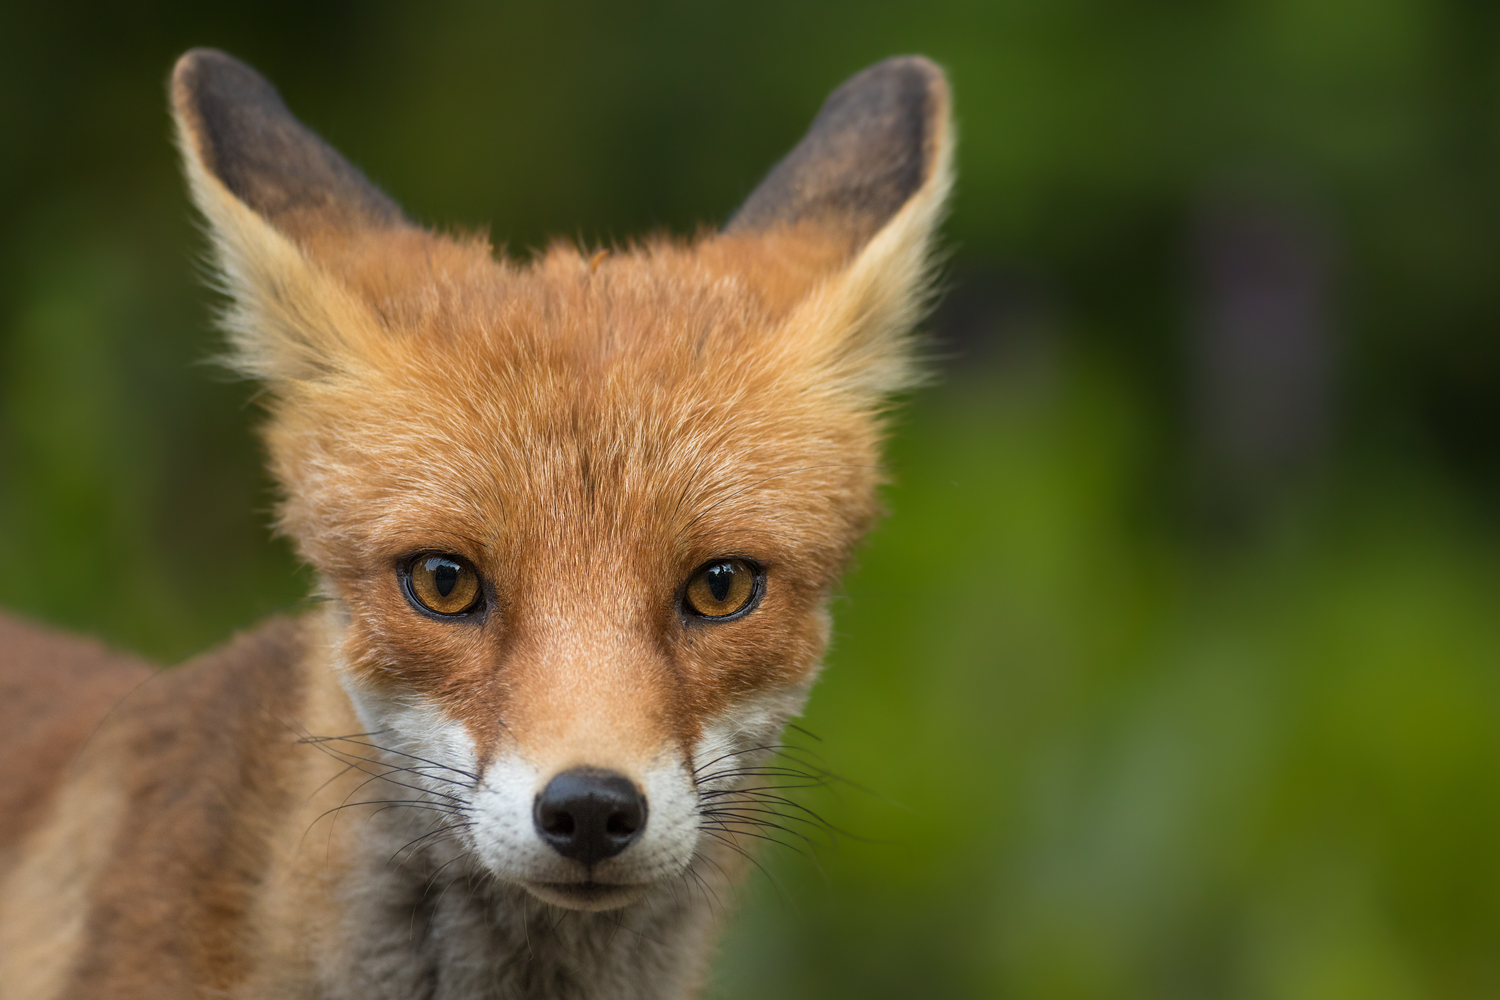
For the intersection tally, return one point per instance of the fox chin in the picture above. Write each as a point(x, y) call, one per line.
point(575, 524)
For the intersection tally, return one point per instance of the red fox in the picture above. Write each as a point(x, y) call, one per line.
point(575, 524)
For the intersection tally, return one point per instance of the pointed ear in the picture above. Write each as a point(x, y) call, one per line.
point(280, 202)
point(866, 187)
point(233, 123)
point(878, 141)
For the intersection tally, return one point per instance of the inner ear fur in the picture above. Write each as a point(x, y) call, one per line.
point(856, 204)
point(294, 226)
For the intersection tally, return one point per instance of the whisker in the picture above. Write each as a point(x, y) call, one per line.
point(390, 804)
point(723, 874)
point(813, 817)
point(727, 828)
point(737, 753)
point(386, 749)
point(336, 777)
point(731, 775)
point(810, 735)
point(411, 845)
point(707, 889)
point(385, 776)
point(736, 820)
point(728, 842)
point(745, 810)
point(714, 792)
point(344, 756)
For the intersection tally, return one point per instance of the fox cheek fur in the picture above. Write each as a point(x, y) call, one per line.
point(576, 523)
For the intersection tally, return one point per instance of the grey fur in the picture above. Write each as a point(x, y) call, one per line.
point(246, 137)
point(464, 936)
point(871, 147)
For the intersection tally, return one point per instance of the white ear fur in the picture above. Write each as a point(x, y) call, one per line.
point(271, 189)
point(286, 320)
point(870, 178)
point(855, 327)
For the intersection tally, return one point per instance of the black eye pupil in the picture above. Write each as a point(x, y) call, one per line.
point(444, 575)
point(718, 579)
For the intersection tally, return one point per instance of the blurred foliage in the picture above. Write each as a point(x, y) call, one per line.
point(1132, 735)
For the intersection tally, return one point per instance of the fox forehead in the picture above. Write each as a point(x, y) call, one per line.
point(642, 399)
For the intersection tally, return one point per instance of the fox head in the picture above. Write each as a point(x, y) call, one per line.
point(579, 518)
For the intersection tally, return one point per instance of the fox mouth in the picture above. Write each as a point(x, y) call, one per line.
point(587, 895)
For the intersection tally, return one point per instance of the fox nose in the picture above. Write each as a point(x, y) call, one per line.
point(588, 814)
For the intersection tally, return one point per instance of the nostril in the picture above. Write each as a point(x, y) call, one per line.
point(588, 814)
point(622, 823)
point(559, 824)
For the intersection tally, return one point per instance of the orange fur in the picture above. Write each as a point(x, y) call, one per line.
point(584, 431)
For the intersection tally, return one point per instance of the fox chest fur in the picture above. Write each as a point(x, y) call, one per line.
point(575, 524)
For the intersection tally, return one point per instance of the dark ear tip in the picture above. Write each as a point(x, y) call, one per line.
point(191, 62)
point(191, 68)
point(877, 140)
point(901, 77)
point(234, 124)
point(204, 74)
point(918, 69)
point(204, 60)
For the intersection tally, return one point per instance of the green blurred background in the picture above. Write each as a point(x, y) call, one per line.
point(1175, 671)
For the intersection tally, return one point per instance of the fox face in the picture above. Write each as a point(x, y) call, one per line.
point(578, 519)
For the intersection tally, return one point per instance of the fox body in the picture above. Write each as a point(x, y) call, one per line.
point(575, 522)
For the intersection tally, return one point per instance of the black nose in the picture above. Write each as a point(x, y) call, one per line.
point(588, 815)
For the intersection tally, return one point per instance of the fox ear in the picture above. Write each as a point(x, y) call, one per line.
point(235, 125)
point(876, 142)
point(867, 185)
point(280, 202)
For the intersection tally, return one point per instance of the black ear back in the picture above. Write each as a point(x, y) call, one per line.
point(874, 145)
point(238, 128)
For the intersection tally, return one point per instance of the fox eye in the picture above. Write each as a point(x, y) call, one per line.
point(442, 584)
point(722, 589)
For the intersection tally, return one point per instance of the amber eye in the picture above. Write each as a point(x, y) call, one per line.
point(723, 588)
point(444, 585)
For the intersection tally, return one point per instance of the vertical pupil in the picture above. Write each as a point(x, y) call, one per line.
point(444, 575)
point(719, 579)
